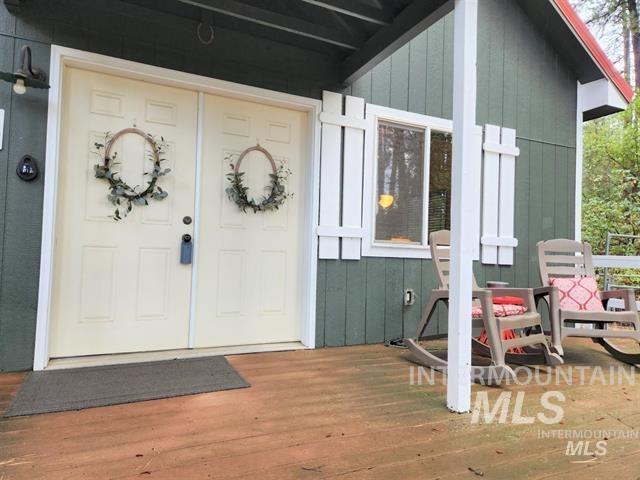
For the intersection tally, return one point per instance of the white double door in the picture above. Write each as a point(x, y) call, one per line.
point(119, 286)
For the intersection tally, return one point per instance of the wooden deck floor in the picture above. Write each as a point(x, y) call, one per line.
point(345, 413)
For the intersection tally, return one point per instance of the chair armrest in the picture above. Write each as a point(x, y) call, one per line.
point(620, 293)
point(525, 294)
point(440, 294)
point(485, 296)
point(544, 291)
point(626, 294)
point(550, 295)
point(482, 294)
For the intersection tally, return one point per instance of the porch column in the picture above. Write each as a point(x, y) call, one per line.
point(462, 205)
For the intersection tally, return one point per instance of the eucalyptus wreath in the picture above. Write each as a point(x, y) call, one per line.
point(276, 193)
point(121, 194)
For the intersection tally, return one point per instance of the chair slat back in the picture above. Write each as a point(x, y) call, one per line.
point(440, 245)
point(564, 258)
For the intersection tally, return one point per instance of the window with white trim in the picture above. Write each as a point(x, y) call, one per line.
point(407, 182)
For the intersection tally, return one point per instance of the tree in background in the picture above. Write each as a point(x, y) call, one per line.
point(611, 179)
point(616, 23)
point(611, 176)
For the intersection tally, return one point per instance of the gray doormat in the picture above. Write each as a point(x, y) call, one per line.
point(79, 388)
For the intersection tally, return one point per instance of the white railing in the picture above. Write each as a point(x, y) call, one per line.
point(616, 261)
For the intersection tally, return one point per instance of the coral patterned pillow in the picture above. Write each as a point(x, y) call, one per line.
point(578, 294)
point(502, 310)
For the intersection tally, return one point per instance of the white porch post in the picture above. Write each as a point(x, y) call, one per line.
point(579, 167)
point(462, 204)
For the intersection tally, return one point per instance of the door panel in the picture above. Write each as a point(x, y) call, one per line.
point(119, 286)
point(249, 265)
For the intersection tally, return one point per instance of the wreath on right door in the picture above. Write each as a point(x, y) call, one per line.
point(276, 192)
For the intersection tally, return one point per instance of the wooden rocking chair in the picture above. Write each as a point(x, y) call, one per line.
point(498, 348)
point(563, 258)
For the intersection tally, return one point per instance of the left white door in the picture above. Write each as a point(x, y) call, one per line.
point(119, 286)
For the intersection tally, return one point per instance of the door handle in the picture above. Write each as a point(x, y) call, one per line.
point(186, 250)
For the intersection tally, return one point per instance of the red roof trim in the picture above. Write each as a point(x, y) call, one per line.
point(593, 47)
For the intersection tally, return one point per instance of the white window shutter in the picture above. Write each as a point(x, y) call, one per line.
point(341, 177)
point(491, 174)
point(498, 195)
point(507, 198)
point(352, 183)
point(329, 246)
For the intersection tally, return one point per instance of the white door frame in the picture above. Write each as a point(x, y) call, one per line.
point(62, 57)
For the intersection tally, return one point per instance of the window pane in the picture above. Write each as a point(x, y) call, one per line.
point(400, 184)
point(440, 182)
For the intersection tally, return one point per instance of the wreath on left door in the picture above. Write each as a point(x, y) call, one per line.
point(121, 194)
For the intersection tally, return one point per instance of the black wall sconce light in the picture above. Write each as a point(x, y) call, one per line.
point(26, 76)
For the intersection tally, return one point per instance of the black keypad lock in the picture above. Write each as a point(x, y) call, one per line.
point(186, 250)
point(27, 168)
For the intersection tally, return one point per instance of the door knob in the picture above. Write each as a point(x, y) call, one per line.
point(186, 238)
point(187, 220)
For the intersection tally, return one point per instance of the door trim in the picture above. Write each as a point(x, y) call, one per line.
point(62, 57)
point(196, 227)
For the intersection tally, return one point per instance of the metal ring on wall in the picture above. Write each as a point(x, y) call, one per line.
point(211, 34)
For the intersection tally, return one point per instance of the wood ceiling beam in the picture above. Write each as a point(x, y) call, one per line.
point(279, 21)
point(410, 22)
point(354, 9)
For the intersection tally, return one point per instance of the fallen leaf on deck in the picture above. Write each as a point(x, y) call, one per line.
point(317, 469)
point(477, 472)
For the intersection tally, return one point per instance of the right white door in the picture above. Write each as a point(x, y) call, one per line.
point(249, 264)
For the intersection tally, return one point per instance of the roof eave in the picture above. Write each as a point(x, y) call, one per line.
point(593, 48)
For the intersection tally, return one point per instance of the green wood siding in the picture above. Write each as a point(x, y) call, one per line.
point(114, 28)
point(522, 84)
point(20, 206)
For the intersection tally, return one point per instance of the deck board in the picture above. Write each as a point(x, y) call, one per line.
point(345, 413)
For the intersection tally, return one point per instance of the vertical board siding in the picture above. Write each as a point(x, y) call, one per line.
point(7, 49)
point(375, 298)
point(418, 74)
point(89, 26)
point(537, 181)
point(523, 182)
point(321, 288)
point(25, 133)
point(522, 84)
point(393, 310)
point(496, 63)
point(355, 329)
point(7, 45)
point(335, 305)
point(447, 69)
point(435, 81)
point(413, 280)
